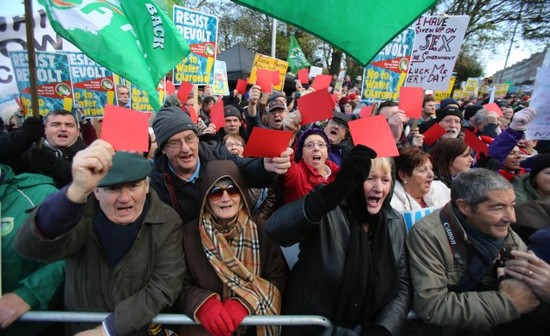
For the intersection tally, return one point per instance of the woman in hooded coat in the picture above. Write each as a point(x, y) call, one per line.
point(234, 269)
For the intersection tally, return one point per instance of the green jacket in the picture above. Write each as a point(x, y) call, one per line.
point(38, 284)
point(433, 269)
point(523, 189)
point(147, 279)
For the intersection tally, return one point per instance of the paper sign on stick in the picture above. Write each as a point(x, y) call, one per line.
point(264, 142)
point(302, 75)
point(375, 133)
point(241, 86)
point(493, 107)
point(321, 82)
point(433, 134)
point(184, 91)
point(366, 111)
point(315, 106)
point(475, 143)
point(125, 129)
point(410, 101)
point(216, 114)
point(264, 79)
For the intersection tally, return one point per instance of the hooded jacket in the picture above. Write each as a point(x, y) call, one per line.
point(202, 282)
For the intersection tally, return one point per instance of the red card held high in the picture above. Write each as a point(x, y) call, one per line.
point(264, 79)
point(125, 129)
point(315, 106)
point(321, 82)
point(216, 114)
point(303, 75)
point(183, 92)
point(375, 133)
point(410, 101)
point(266, 143)
point(241, 86)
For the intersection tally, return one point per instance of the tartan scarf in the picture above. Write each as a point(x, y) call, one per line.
point(235, 255)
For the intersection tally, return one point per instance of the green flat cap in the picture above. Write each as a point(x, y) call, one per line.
point(126, 168)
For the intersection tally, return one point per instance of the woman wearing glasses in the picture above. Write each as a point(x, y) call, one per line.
point(310, 166)
point(234, 269)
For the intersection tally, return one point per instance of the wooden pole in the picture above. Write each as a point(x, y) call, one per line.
point(32, 56)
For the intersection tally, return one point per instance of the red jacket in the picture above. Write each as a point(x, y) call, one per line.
point(301, 178)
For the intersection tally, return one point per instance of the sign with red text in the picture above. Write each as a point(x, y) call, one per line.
point(436, 46)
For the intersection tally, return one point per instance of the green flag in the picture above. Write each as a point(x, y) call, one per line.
point(132, 38)
point(359, 28)
point(296, 58)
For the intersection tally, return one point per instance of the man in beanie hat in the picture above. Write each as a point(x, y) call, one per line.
point(233, 123)
point(450, 119)
point(121, 244)
point(179, 162)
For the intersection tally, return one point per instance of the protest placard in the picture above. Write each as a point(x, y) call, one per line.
point(201, 32)
point(93, 84)
point(539, 128)
point(384, 76)
point(440, 95)
point(269, 63)
point(436, 46)
point(220, 85)
point(54, 85)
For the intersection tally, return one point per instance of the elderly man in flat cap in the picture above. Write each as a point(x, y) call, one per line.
point(121, 244)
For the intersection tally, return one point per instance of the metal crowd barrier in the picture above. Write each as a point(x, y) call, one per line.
point(286, 320)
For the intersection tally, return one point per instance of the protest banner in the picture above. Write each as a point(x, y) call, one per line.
point(539, 128)
point(501, 90)
point(384, 76)
point(220, 85)
point(440, 95)
point(13, 38)
point(471, 88)
point(436, 46)
point(54, 85)
point(93, 85)
point(201, 32)
point(269, 63)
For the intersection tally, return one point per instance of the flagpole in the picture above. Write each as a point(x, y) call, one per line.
point(32, 56)
point(274, 38)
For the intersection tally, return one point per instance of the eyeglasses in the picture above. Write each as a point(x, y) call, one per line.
point(311, 145)
point(233, 144)
point(217, 192)
point(177, 144)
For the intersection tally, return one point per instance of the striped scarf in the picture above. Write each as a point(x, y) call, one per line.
point(235, 256)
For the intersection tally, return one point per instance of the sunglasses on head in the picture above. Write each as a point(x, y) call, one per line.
point(217, 192)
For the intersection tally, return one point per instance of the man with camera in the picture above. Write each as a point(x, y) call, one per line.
point(456, 259)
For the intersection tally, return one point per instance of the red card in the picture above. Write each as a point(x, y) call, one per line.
point(493, 107)
point(241, 86)
point(375, 133)
point(216, 114)
point(184, 91)
point(366, 111)
point(321, 82)
point(315, 106)
point(264, 79)
point(475, 143)
point(276, 77)
point(410, 101)
point(264, 142)
point(170, 88)
point(193, 114)
point(125, 129)
point(433, 134)
point(303, 75)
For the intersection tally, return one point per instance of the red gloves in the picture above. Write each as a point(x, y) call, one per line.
point(215, 318)
point(236, 310)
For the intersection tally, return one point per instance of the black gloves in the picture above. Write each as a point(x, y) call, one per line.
point(354, 171)
point(487, 162)
point(32, 130)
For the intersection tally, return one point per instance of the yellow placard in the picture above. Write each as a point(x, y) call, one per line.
point(269, 63)
point(440, 95)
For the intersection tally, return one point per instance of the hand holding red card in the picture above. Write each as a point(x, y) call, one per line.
point(264, 79)
point(410, 101)
point(315, 106)
point(217, 115)
point(241, 86)
point(433, 134)
point(374, 132)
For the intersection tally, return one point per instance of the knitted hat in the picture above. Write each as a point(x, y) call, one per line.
point(541, 162)
point(169, 121)
point(447, 111)
point(232, 111)
point(446, 102)
point(471, 111)
point(126, 168)
point(304, 136)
